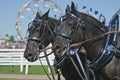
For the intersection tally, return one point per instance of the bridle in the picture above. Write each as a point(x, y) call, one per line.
point(43, 26)
point(77, 24)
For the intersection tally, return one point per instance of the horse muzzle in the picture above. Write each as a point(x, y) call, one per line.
point(31, 57)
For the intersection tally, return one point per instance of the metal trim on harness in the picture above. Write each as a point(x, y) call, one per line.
point(110, 46)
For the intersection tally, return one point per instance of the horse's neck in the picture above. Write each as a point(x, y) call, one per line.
point(93, 48)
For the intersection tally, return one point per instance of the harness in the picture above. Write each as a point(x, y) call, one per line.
point(70, 56)
point(110, 45)
point(61, 63)
point(75, 26)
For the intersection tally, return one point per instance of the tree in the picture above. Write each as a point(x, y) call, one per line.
point(12, 38)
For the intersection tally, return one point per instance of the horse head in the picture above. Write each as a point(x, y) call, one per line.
point(69, 28)
point(75, 26)
point(41, 34)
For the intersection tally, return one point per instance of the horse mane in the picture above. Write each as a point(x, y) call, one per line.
point(86, 16)
point(92, 19)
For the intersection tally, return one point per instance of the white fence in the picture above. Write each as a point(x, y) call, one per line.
point(15, 57)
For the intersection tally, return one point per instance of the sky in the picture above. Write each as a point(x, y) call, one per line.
point(9, 11)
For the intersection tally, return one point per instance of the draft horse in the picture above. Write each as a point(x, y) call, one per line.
point(41, 34)
point(98, 40)
point(70, 60)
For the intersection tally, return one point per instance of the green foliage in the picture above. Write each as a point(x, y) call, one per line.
point(12, 38)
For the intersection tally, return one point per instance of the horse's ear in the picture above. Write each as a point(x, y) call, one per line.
point(45, 16)
point(37, 15)
point(67, 9)
point(73, 9)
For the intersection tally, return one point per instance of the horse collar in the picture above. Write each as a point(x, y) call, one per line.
point(110, 47)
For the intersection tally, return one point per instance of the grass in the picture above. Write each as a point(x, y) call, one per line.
point(16, 70)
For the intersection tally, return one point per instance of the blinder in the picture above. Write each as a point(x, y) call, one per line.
point(34, 22)
point(42, 26)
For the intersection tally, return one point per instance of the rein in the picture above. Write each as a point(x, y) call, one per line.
point(82, 42)
point(102, 35)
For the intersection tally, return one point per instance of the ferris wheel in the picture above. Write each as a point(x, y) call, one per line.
point(27, 13)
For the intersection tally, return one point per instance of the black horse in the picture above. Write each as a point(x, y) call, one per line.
point(77, 27)
point(69, 30)
point(41, 34)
